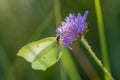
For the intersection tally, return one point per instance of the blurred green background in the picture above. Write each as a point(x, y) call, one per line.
point(24, 21)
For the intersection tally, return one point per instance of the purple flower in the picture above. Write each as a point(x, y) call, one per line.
point(72, 28)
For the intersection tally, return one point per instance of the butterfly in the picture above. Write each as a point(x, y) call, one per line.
point(42, 53)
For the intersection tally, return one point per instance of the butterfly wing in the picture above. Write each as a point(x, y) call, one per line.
point(42, 54)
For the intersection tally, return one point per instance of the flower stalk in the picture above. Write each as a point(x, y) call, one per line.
point(84, 42)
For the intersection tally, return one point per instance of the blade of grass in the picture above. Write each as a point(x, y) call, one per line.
point(42, 26)
point(4, 62)
point(62, 72)
point(102, 36)
point(57, 12)
point(70, 68)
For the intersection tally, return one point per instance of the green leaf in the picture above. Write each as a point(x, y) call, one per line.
point(42, 54)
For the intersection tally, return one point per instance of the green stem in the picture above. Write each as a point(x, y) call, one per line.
point(102, 35)
point(84, 42)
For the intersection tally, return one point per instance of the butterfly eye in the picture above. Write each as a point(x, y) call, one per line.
point(58, 38)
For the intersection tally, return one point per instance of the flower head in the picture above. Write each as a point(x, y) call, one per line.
point(72, 28)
